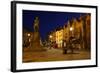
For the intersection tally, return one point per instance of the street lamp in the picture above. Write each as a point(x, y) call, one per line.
point(50, 36)
point(71, 29)
point(28, 34)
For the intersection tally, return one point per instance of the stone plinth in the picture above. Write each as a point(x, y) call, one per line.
point(35, 44)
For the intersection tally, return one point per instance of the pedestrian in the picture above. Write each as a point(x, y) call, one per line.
point(64, 46)
point(49, 44)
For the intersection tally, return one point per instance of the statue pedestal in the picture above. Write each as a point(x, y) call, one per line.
point(35, 43)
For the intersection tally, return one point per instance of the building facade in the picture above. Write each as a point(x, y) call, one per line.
point(77, 29)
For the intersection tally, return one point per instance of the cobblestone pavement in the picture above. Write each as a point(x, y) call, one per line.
point(54, 55)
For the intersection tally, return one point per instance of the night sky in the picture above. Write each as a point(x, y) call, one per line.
point(48, 20)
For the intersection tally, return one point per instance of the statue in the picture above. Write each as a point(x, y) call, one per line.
point(35, 43)
point(36, 24)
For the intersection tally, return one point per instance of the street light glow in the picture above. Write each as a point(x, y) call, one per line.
point(29, 34)
point(71, 28)
point(50, 36)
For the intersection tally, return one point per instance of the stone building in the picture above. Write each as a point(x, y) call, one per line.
point(78, 30)
point(59, 37)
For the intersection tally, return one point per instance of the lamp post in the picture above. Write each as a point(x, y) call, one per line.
point(29, 37)
point(71, 38)
point(50, 38)
point(71, 31)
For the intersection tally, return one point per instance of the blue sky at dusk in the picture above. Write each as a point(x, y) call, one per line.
point(48, 20)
